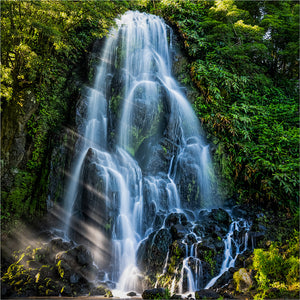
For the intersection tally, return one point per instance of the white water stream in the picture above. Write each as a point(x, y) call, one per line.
point(154, 119)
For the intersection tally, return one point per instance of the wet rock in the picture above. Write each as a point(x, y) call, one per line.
point(243, 260)
point(221, 216)
point(177, 249)
point(205, 250)
point(98, 291)
point(57, 245)
point(216, 220)
point(224, 279)
point(175, 296)
point(191, 239)
point(74, 278)
point(83, 256)
point(206, 294)
point(80, 260)
point(153, 251)
point(158, 221)
point(186, 179)
point(67, 257)
point(47, 272)
point(190, 214)
point(33, 264)
point(238, 212)
point(178, 231)
point(131, 294)
point(46, 235)
point(89, 272)
point(199, 230)
point(242, 280)
point(154, 293)
point(66, 291)
point(207, 273)
point(176, 218)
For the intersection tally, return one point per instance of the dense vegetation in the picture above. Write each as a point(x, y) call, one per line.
point(42, 43)
point(243, 58)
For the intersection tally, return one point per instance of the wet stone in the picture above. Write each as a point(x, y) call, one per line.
point(206, 294)
point(176, 218)
point(98, 291)
point(154, 293)
point(178, 231)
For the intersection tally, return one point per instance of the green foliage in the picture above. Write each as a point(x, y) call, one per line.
point(243, 59)
point(18, 201)
point(278, 268)
point(209, 257)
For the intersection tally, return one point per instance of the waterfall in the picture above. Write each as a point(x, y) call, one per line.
point(141, 150)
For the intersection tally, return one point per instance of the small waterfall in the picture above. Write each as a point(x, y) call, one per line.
point(233, 247)
point(141, 151)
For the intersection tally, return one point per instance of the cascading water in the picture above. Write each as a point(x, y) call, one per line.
point(141, 156)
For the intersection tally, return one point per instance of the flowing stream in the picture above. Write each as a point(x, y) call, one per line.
point(141, 153)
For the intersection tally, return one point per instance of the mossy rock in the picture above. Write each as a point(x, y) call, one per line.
point(98, 291)
point(157, 293)
point(242, 280)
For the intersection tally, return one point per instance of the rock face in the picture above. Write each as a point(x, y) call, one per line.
point(57, 268)
point(184, 239)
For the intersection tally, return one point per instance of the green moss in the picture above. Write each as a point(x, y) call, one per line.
point(209, 257)
point(60, 269)
point(108, 294)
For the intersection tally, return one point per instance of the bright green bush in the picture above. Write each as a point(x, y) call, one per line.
point(278, 269)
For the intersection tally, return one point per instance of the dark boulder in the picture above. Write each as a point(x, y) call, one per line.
point(176, 297)
point(153, 251)
point(176, 218)
point(178, 231)
point(98, 291)
point(158, 293)
point(221, 216)
point(216, 220)
point(191, 239)
point(225, 278)
point(205, 250)
point(206, 294)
